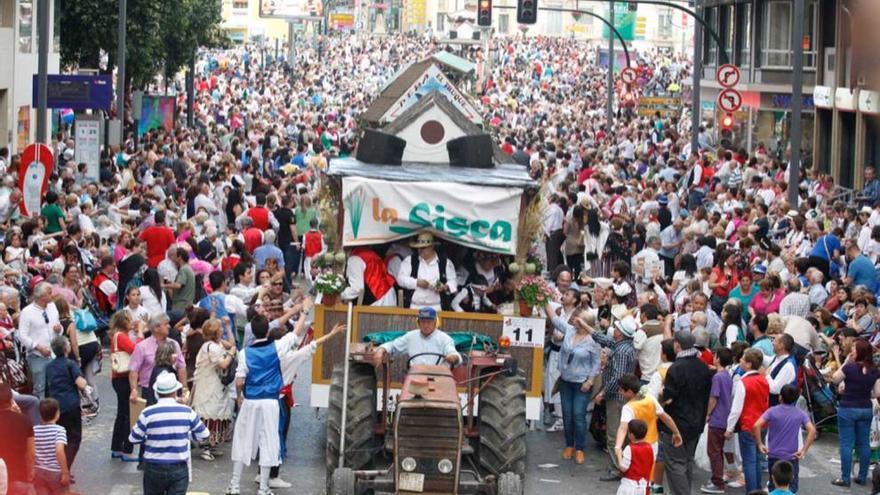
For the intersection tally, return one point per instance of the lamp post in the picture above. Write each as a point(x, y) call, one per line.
point(797, 101)
point(697, 76)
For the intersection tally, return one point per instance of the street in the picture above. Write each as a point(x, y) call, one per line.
point(97, 474)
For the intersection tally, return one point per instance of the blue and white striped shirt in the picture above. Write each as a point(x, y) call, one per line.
point(165, 430)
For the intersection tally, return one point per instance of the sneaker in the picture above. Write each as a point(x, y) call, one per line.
point(233, 490)
point(656, 489)
point(711, 488)
point(278, 483)
point(206, 455)
point(737, 483)
point(556, 426)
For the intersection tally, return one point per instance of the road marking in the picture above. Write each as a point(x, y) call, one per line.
point(548, 481)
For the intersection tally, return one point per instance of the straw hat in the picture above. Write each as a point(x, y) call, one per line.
point(425, 239)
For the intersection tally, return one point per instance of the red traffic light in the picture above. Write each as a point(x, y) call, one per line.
point(727, 122)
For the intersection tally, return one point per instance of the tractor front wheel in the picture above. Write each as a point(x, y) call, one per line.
point(342, 482)
point(509, 484)
point(360, 418)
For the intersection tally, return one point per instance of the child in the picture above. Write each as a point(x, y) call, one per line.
point(52, 475)
point(313, 245)
point(636, 461)
point(719, 409)
point(165, 359)
point(751, 395)
point(782, 474)
point(784, 423)
point(473, 298)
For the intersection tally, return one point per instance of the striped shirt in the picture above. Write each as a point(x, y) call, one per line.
point(165, 430)
point(46, 438)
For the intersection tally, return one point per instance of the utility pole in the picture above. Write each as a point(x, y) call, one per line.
point(42, 70)
point(797, 101)
point(697, 76)
point(191, 91)
point(609, 110)
point(120, 71)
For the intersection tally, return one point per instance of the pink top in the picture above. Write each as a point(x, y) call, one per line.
point(763, 307)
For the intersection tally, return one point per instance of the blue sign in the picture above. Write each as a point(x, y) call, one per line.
point(77, 92)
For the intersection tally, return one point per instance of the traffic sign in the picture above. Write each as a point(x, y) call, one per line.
point(730, 100)
point(727, 75)
point(628, 75)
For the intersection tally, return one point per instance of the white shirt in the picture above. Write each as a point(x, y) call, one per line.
point(289, 355)
point(35, 325)
point(203, 201)
point(141, 313)
point(785, 376)
point(430, 272)
point(739, 397)
point(354, 272)
point(553, 218)
point(149, 300)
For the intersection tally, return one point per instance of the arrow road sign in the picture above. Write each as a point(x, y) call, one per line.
point(628, 75)
point(727, 75)
point(730, 100)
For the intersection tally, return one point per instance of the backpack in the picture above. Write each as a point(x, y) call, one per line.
point(445, 298)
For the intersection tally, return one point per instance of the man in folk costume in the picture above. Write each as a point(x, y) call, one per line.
point(367, 274)
point(428, 275)
point(263, 370)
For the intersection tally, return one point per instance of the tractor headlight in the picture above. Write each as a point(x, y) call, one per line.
point(444, 466)
point(408, 464)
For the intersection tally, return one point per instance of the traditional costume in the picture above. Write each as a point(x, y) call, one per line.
point(367, 274)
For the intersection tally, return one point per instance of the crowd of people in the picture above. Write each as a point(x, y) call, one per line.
point(690, 298)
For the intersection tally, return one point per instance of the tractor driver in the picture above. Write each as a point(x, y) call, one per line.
point(427, 338)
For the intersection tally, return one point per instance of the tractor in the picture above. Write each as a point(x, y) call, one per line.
point(436, 442)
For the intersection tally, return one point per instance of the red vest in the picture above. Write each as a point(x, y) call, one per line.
point(642, 463)
point(312, 243)
point(756, 401)
point(104, 301)
point(376, 276)
point(260, 216)
point(253, 238)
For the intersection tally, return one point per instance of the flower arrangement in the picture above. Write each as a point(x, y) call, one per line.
point(331, 283)
point(533, 290)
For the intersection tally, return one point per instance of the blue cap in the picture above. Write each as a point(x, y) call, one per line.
point(683, 213)
point(759, 268)
point(840, 315)
point(663, 200)
point(427, 314)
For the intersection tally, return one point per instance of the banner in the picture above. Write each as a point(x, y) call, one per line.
point(378, 211)
point(88, 144)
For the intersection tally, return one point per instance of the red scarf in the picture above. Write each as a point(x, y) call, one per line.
point(376, 275)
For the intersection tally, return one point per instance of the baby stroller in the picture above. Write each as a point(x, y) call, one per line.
point(818, 397)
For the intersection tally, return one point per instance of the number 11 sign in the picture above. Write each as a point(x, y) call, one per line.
point(524, 332)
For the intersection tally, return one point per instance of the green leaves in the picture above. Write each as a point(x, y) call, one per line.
point(162, 35)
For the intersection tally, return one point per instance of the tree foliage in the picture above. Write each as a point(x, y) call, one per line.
point(161, 35)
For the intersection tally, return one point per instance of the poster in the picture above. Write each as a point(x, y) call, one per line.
point(23, 133)
point(88, 144)
point(291, 9)
point(378, 211)
point(524, 332)
point(157, 111)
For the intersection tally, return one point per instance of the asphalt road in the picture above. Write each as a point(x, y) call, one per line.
point(548, 474)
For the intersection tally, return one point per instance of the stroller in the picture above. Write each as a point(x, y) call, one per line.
point(818, 397)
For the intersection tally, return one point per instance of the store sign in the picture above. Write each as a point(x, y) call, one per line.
point(823, 97)
point(782, 100)
point(869, 102)
point(378, 212)
point(668, 107)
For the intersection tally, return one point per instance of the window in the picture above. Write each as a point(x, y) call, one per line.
point(664, 24)
point(504, 23)
point(710, 47)
point(240, 4)
point(728, 22)
point(744, 34)
point(776, 48)
point(25, 26)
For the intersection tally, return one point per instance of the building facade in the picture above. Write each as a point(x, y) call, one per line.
point(18, 49)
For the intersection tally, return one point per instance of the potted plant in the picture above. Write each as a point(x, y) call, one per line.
point(532, 291)
point(330, 284)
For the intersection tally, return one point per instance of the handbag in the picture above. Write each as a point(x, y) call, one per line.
point(119, 359)
point(85, 321)
point(15, 374)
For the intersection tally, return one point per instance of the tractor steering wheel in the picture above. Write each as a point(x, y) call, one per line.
point(440, 358)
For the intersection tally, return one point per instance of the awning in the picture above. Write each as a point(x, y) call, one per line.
point(454, 62)
point(502, 175)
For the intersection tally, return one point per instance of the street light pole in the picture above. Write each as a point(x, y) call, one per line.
point(42, 70)
point(120, 71)
point(609, 110)
point(797, 101)
point(697, 76)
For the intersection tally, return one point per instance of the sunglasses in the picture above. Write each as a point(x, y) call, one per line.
point(45, 317)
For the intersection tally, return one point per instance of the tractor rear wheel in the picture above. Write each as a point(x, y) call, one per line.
point(360, 418)
point(342, 482)
point(502, 414)
point(509, 484)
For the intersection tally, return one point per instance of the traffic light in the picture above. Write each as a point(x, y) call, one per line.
point(727, 122)
point(484, 13)
point(633, 7)
point(629, 99)
point(527, 11)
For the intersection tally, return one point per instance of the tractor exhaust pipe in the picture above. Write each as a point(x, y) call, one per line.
point(342, 426)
